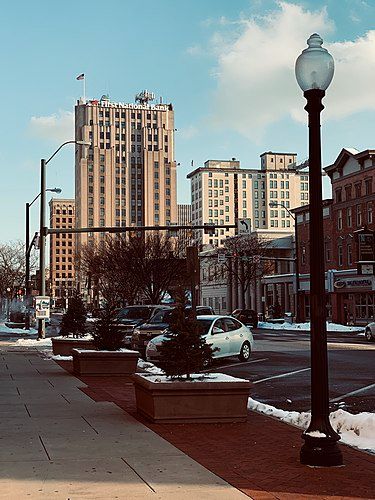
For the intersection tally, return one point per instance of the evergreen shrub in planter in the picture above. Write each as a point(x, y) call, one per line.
point(109, 358)
point(183, 394)
point(73, 329)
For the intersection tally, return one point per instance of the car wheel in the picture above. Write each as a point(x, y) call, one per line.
point(368, 335)
point(245, 352)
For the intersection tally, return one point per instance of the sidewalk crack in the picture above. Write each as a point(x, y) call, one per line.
point(26, 408)
point(44, 447)
point(88, 423)
point(140, 477)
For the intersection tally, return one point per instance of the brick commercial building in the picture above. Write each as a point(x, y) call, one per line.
point(62, 273)
point(350, 295)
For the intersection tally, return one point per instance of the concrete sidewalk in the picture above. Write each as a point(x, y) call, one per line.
point(56, 442)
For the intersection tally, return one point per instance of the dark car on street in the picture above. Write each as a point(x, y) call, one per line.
point(248, 317)
point(157, 325)
point(130, 317)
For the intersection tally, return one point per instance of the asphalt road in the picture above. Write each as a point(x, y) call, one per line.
point(280, 370)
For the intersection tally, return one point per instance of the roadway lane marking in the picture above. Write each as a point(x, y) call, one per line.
point(358, 391)
point(281, 376)
point(355, 347)
point(239, 363)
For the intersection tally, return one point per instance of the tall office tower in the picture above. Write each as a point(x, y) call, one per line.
point(183, 214)
point(129, 175)
point(222, 193)
point(62, 273)
point(184, 219)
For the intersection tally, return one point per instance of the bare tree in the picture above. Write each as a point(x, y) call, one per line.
point(127, 268)
point(244, 261)
point(12, 268)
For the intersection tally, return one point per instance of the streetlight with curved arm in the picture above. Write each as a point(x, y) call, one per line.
point(42, 228)
point(296, 261)
point(27, 254)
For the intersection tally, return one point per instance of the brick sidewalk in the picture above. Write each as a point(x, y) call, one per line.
point(259, 457)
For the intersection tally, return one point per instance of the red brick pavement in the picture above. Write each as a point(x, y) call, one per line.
point(259, 457)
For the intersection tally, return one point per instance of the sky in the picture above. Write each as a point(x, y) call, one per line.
point(227, 67)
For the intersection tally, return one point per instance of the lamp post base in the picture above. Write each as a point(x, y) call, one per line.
point(320, 452)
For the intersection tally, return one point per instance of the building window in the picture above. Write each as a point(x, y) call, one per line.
point(340, 255)
point(358, 190)
point(349, 216)
point(369, 212)
point(328, 252)
point(339, 219)
point(349, 254)
point(358, 216)
point(348, 192)
point(368, 186)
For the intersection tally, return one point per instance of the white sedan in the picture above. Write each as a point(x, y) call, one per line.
point(370, 332)
point(229, 335)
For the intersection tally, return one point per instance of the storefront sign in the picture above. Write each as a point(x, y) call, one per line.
point(366, 246)
point(353, 283)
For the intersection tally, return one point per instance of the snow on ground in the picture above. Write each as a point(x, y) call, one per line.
point(331, 327)
point(58, 357)
point(194, 377)
point(34, 342)
point(149, 367)
point(9, 331)
point(355, 430)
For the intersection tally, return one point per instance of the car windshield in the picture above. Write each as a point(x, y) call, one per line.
point(134, 313)
point(162, 316)
point(205, 325)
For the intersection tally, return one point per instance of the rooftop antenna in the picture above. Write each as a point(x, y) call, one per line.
point(144, 97)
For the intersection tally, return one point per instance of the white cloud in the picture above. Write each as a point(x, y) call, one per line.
point(188, 132)
point(56, 127)
point(256, 84)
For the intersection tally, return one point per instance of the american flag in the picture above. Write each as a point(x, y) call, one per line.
point(81, 76)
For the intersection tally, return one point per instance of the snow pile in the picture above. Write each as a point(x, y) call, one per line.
point(6, 330)
point(34, 342)
point(194, 377)
point(355, 430)
point(58, 357)
point(149, 367)
point(331, 327)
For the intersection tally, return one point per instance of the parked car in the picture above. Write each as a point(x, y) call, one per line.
point(229, 335)
point(131, 316)
point(248, 317)
point(370, 332)
point(159, 323)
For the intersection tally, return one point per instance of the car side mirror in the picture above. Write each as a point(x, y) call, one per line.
point(216, 329)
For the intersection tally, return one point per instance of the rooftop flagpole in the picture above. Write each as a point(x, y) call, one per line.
point(82, 77)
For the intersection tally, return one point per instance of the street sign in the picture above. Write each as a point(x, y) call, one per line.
point(244, 226)
point(221, 258)
point(42, 305)
point(365, 268)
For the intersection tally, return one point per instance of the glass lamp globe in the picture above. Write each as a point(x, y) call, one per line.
point(314, 66)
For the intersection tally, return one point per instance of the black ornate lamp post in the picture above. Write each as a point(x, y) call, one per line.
point(314, 72)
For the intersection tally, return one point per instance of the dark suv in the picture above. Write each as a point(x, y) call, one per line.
point(132, 316)
point(248, 317)
point(157, 325)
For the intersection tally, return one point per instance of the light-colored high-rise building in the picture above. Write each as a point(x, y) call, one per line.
point(128, 177)
point(62, 247)
point(222, 192)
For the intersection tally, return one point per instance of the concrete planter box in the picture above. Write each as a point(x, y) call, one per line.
point(104, 362)
point(64, 346)
point(164, 401)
